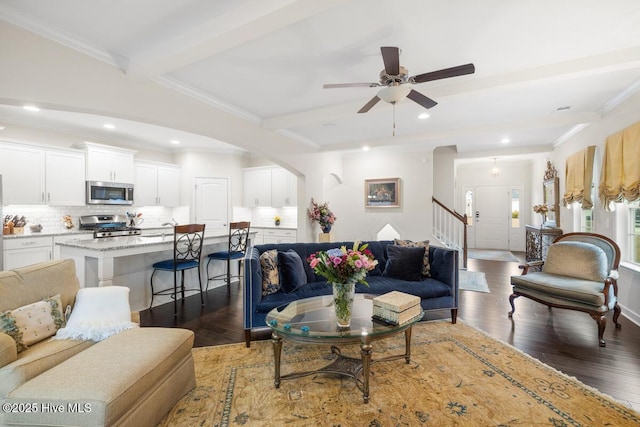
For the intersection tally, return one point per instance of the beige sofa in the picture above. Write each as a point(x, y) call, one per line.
point(132, 378)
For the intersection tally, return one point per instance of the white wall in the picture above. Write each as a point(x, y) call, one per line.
point(355, 222)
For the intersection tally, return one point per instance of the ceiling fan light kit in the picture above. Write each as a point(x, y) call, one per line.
point(395, 79)
point(393, 94)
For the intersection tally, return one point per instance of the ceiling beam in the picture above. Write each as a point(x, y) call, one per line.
point(598, 64)
point(447, 136)
point(247, 22)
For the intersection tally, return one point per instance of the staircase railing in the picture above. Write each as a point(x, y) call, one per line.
point(450, 228)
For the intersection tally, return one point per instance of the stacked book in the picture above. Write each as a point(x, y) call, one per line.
point(396, 308)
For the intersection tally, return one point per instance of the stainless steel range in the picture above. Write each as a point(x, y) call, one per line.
point(108, 226)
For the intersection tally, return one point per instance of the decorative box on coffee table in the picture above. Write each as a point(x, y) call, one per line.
point(396, 308)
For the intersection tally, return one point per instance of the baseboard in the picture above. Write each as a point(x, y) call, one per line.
point(630, 314)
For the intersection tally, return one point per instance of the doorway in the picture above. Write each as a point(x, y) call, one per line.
point(212, 204)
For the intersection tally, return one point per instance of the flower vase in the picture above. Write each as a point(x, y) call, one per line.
point(326, 228)
point(544, 219)
point(343, 295)
point(277, 222)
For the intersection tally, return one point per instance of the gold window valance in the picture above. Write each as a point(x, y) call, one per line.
point(620, 178)
point(579, 178)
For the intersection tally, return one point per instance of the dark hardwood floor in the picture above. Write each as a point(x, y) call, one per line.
point(563, 339)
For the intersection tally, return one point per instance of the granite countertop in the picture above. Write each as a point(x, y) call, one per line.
point(274, 227)
point(128, 242)
point(28, 233)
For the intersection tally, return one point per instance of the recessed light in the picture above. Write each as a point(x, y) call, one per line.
point(423, 116)
point(108, 126)
point(32, 108)
point(365, 148)
point(2, 128)
point(175, 142)
point(505, 140)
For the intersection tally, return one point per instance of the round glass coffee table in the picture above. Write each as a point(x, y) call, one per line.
point(313, 321)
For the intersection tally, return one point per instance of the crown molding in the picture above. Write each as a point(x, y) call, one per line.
point(36, 26)
point(192, 92)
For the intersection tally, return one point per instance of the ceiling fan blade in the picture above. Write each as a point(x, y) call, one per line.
point(419, 98)
point(369, 104)
point(340, 85)
point(391, 58)
point(445, 73)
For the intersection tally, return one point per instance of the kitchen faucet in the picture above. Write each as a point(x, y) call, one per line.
point(172, 223)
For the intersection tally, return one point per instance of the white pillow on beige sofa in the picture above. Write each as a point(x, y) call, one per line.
point(98, 313)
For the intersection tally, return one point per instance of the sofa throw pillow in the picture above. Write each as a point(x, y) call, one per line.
point(577, 259)
point(33, 323)
point(292, 274)
point(426, 267)
point(98, 313)
point(270, 274)
point(404, 262)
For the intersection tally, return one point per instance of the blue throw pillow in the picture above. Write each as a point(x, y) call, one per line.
point(404, 263)
point(292, 274)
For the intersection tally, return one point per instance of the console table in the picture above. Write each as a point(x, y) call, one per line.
point(538, 241)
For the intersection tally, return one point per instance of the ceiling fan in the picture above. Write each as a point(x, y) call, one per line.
point(395, 77)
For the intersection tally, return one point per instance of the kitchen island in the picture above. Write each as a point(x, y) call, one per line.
point(127, 261)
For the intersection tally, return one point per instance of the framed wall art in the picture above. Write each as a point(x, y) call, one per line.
point(382, 193)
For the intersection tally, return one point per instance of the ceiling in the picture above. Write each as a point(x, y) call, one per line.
point(542, 67)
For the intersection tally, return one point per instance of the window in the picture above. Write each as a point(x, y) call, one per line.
point(468, 207)
point(586, 219)
point(515, 208)
point(633, 239)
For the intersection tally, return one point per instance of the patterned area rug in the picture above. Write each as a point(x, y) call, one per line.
point(492, 255)
point(473, 281)
point(458, 376)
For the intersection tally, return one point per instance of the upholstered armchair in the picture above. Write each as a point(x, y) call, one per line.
point(579, 273)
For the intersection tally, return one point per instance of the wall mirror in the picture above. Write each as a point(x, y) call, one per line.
point(551, 191)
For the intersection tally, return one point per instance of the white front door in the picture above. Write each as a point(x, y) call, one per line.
point(492, 216)
point(212, 204)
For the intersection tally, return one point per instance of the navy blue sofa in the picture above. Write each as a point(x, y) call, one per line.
point(438, 292)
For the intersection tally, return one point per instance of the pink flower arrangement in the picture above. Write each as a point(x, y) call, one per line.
point(342, 265)
point(321, 213)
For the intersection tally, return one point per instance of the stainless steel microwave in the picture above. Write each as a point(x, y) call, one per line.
point(109, 193)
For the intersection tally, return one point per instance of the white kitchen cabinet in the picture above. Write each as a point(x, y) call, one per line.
point(35, 176)
point(284, 188)
point(109, 164)
point(274, 235)
point(22, 251)
point(157, 185)
point(65, 178)
point(22, 169)
point(257, 187)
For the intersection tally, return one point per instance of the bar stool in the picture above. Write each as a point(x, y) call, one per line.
point(187, 252)
point(237, 245)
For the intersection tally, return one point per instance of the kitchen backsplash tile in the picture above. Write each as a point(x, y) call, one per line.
point(51, 216)
point(264, 217)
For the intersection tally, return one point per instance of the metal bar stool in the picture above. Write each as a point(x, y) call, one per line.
point(187, 252)
point(238, 239)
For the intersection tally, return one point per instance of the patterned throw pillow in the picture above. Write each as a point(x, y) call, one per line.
point(270, 275)
point(32, 323)
point(426, 268)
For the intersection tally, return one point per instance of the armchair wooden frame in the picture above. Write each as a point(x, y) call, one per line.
point(612, 251)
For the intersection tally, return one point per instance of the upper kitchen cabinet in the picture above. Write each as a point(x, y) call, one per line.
point(157, 184)
point(65, 178)
point(36, 176)
point(284, 188)
point(257, 187)
point(109, 164)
